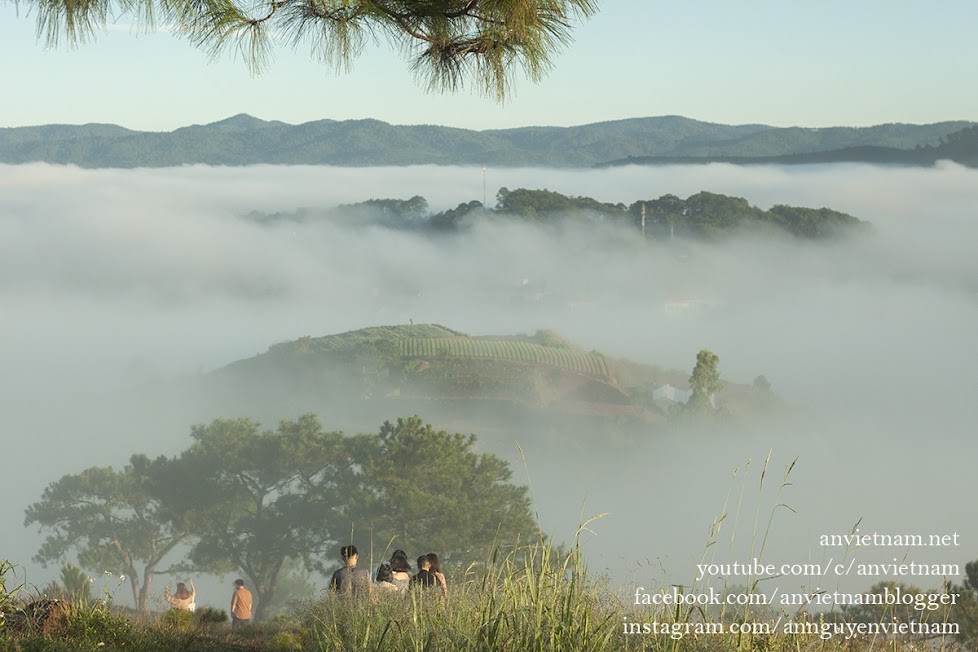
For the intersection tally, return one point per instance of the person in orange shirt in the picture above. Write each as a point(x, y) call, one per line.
point(240, 605)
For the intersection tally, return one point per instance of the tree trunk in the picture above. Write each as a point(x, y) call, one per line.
point(136, 588)
point(263, 600)
point(143, 604)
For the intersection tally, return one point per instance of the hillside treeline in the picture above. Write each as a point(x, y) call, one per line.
point(705, 215)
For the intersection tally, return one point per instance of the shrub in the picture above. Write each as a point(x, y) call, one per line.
point(210, 616)
point(178, 620)
point(97, 624)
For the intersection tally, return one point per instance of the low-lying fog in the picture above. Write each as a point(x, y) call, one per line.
point(110, 278)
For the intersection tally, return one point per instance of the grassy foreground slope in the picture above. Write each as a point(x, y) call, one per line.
point(533, 598)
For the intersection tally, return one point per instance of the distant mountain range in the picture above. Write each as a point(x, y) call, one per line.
point(245, 140)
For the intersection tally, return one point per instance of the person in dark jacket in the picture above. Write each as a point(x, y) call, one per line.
point(424, 576)
point(436, 571)
point(350, 579)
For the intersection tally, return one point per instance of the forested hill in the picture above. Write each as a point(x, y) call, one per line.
point(703, 216)
point(245, 140)
point(960, 147)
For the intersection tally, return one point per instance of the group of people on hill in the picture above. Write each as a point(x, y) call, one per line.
point(184, 599)
point(391, 577)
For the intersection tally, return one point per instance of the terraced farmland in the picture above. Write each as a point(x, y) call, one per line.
point(366, 336)
point(590, 364)
point(432, 341)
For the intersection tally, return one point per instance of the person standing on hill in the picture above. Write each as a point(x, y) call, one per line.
point(385, 580)
point(350, 579)
point(240, 605)
point(183, 599)
point(424, 576)
point(401, 571)
point(436, 571)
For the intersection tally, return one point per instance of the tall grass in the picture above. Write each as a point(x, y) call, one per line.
point(532, 598)
point(6, 594)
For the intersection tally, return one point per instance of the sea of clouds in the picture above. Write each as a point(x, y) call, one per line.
point(113, 278)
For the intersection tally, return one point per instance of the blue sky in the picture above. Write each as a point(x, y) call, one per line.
point(778, 62)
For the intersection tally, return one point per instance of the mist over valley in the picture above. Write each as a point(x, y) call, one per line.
point(120, 289)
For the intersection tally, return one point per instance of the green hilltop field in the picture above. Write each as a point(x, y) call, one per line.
point(429, 367)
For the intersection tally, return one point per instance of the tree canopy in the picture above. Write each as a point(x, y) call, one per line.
point(127, 520)
point(427, 488)
point(705, 381)
point(538, 204)
point(448, 40)
point(269, 496)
